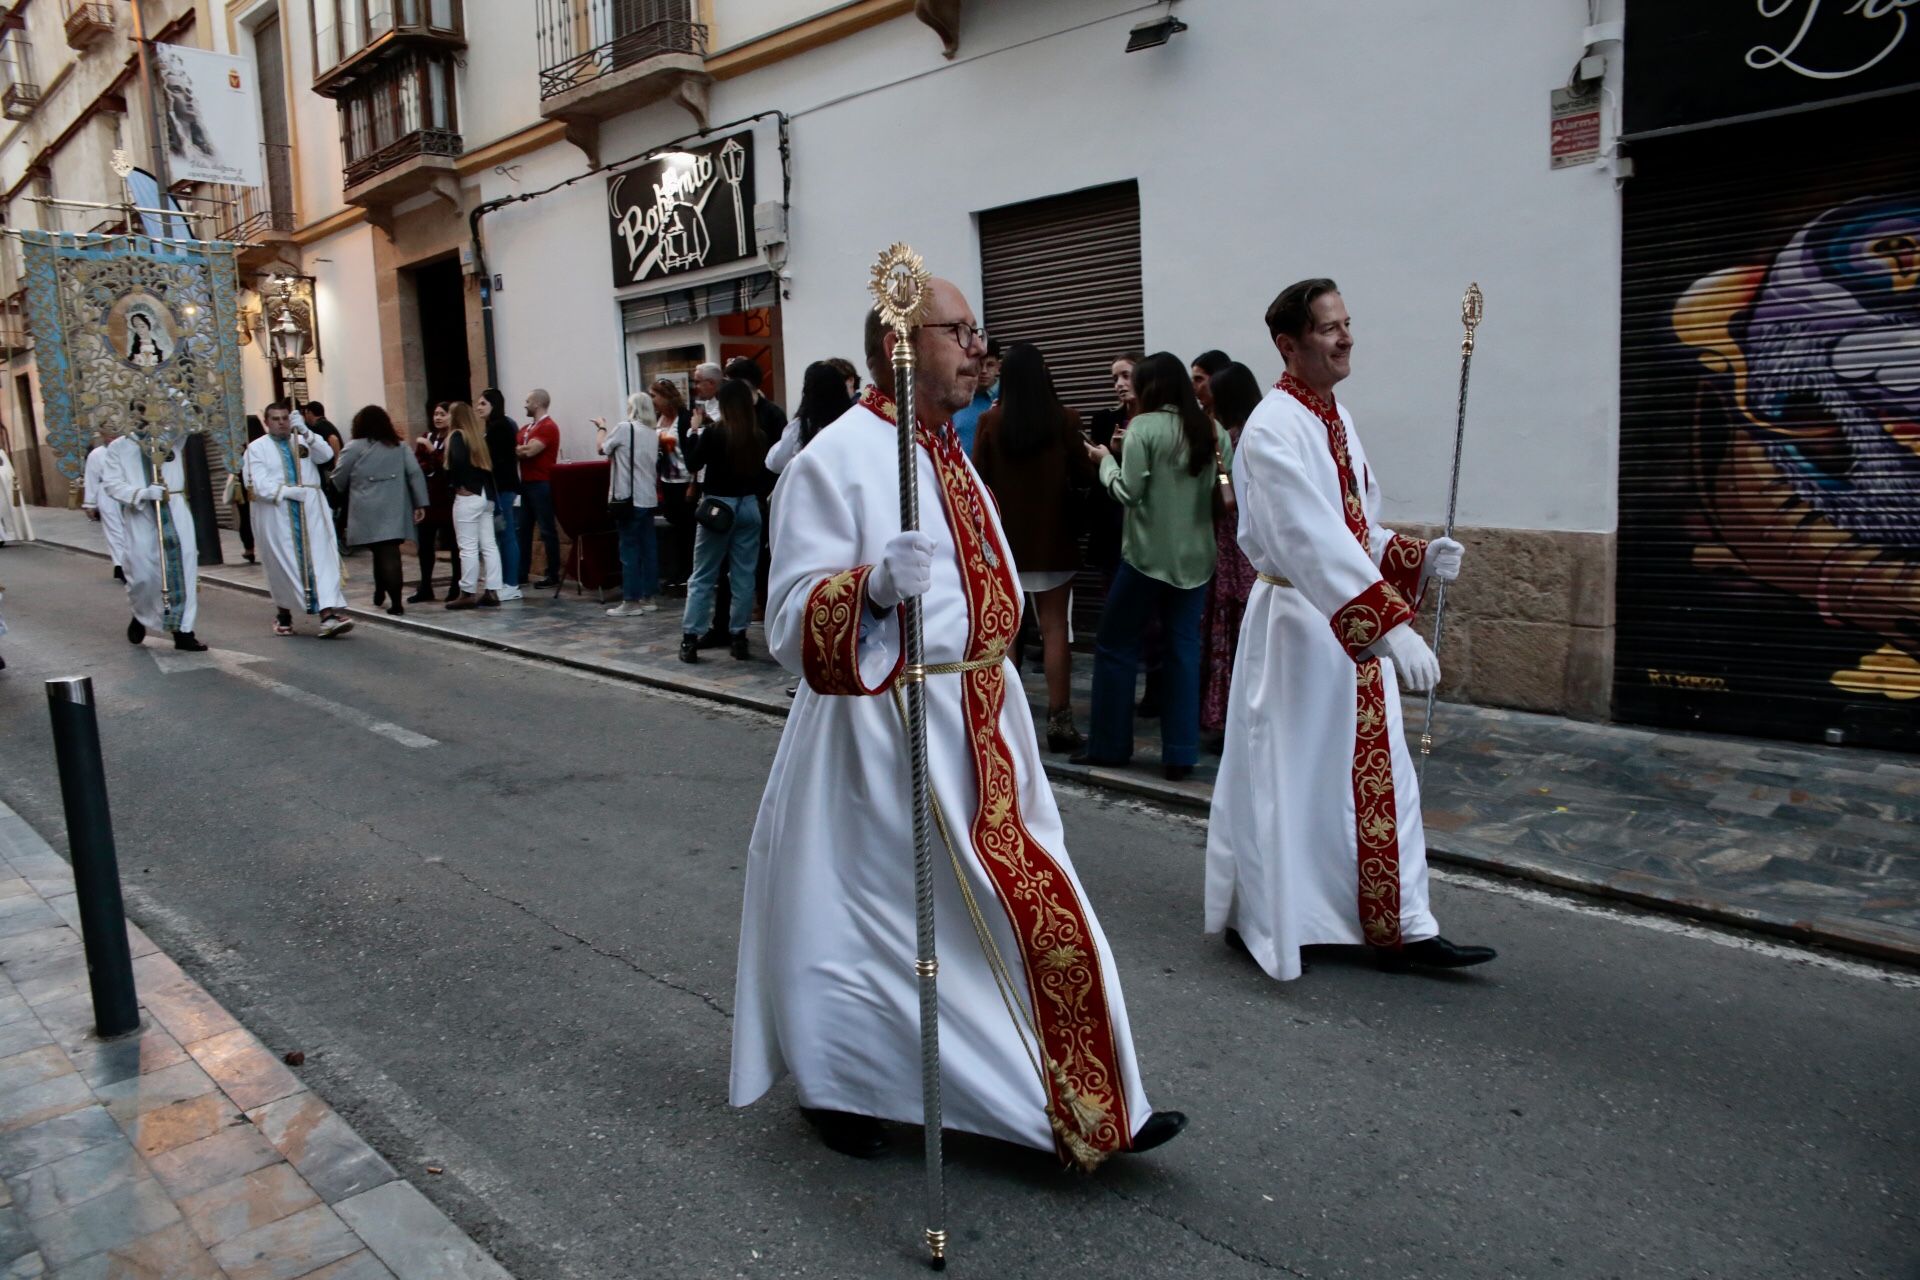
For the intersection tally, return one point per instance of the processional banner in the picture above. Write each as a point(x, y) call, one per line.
point(136, 336)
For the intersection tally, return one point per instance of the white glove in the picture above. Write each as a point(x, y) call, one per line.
point(1418, 667)
point(1443, 560)
point(152, 493)
point(905, 570)
point(292, 493)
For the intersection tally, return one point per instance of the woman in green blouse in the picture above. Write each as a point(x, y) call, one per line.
point(1173, 459)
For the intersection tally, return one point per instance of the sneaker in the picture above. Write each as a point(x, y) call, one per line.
point(642, 606)
point(338, 625)
point(511, 593)
point(624, 610)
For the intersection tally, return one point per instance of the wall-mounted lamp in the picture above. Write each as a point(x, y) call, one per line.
point(1151, 35)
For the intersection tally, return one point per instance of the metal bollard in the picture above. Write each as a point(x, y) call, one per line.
point(96, 870)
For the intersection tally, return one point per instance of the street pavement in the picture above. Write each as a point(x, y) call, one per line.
point(495, 903)
point(1811, 843)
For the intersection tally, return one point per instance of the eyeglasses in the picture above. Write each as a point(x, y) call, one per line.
point(964, 332)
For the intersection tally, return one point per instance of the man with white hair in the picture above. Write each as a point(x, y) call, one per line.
point(538, 448)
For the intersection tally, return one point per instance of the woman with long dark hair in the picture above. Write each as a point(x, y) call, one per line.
point(502, 436)
point(733, 451)
point(823, 397)
point(436, 526)
point(1203, 369)
point(1175, 454)
point(1235, 393)
point(387, 498)
point(1029, 451)
point(676, 484)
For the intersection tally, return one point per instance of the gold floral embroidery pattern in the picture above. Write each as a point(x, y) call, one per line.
point(1358, 624)
point(1401, 565)
point(1066, 989)
point(830, 649)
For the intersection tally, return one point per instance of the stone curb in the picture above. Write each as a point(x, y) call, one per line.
point(186, 1145)
point(1879, 942)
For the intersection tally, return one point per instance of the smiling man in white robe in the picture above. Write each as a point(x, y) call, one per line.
point(293, 525)
point(1315, 836)
point(826, 988)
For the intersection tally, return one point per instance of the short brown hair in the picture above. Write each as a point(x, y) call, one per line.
point(1292, 311)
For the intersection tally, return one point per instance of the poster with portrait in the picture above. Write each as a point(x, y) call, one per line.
point(136, 335)
point(212, 110)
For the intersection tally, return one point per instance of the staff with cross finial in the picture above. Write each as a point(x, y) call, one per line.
point(1472, 307)
point(901, 293)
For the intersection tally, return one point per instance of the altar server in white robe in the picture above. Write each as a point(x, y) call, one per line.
point(826, 987)
point(161, 557)
point(1316, 835)
point(293, 525)
point(14, 524)
point(94, 501)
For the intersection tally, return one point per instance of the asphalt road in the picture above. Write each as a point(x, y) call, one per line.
point(509, 954)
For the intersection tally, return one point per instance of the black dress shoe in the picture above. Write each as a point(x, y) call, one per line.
point(739, 646)
point(422, 596)
point(1086, 758)
point(1177, 772)
point(136, 631)
point(1236, 942)
point(546, 584)
point(689, 647)
point(119, 574)
point(185, 640)
point(1431, 953)
point(856, 1135)
point(1161, 1128)
point(715, 638)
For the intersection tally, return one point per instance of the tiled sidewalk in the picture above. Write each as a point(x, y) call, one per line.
point(1812, 843)
point(185, 1151)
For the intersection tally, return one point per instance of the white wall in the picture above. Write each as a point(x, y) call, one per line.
point(1404, 170)
point(735, 22)
point(343, 294)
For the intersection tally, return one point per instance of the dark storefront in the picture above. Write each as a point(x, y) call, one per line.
point(1769, 563)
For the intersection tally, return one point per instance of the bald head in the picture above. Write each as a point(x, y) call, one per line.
point(946, 354)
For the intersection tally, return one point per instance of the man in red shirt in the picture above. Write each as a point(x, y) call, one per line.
point(538, 448)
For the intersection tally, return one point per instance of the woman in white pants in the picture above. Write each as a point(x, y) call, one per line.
point(470, 472)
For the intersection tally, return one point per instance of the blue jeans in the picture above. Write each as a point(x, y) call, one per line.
point(1134, 599)
point(509, 539)
point(740, 547)
point(537, 495)
point(639, 565)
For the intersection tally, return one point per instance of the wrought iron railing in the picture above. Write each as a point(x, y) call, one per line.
point(86, 21)
point(19, 91)
point(421, 142)
point(580, 41)
point(251, 213)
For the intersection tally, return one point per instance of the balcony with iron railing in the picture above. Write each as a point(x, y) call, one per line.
point(260, 218)
point(400, 133)
point(350, 44)
point(19, 91)
point(603, 58)
point(87, 21)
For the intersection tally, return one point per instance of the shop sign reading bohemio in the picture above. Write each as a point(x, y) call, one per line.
point(682, 211)
point(1693, 64)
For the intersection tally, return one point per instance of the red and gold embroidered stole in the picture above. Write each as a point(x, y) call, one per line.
point(1358, 624)
point(1065, 986)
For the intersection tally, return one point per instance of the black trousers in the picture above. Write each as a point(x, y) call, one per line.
point(389, 579)
point(429, 535)
point(243, 521)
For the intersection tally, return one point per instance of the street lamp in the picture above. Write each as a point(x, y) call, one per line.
point(291, 342)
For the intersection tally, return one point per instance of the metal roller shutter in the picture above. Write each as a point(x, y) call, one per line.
point(1769, 549)
point(1064, 274)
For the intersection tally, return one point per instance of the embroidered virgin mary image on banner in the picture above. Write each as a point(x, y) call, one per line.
point(136, 336)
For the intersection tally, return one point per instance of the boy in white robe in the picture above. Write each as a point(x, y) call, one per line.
point(826, 988)
point(110, 514)
point(293, 525)
point(1315, 836)
point(162, 558)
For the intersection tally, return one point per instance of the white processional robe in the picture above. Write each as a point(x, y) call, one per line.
point(13, 520)
point(294, 536)
point(93, 497)
point(826, 987)
point(1315, 836)
point(161, 558)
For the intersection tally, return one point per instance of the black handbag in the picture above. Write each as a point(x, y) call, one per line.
point(713, 515)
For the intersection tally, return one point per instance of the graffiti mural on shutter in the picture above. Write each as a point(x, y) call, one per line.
point(1769, 576)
